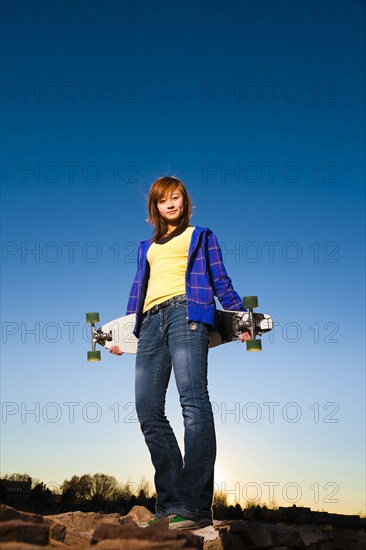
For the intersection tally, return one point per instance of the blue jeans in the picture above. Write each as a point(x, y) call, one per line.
point(167, 339)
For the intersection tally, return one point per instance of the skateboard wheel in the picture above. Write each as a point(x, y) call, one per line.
point(250, 302)
point(254, 345)
point(93, 356)
point(92, 317)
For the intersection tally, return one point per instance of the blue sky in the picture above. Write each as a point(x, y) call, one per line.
point(261, 112)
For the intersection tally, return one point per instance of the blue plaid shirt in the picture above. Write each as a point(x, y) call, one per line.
point(206, 277)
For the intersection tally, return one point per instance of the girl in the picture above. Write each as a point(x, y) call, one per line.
point(179, 271)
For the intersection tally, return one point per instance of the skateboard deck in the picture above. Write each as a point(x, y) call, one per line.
point(229, 326)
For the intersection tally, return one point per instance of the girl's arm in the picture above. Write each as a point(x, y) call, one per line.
point(133, 298)
point(132, 301)
point(219, 279)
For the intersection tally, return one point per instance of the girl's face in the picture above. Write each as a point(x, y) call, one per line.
point(171, 207)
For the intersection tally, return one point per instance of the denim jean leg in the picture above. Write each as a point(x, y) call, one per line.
point(188, 346)
point(153, 369)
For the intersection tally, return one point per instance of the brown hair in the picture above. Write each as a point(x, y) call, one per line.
point(160, 188)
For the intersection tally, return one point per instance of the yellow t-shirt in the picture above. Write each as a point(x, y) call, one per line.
point(168, 266)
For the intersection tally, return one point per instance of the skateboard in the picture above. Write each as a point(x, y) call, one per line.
point(229, 324)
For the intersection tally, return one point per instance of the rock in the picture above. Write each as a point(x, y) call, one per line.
point(74, 539)
point(79, 525)
point(229, 540)
point(8, 513)
point(213, 544)
point(251, 533)
point(137, 515)
point(208, 533)
point(21, 546)
point(58, 532)
point(163, 523)
point(314, 535)
point(135, 544)
point(82, 522)
point(24, 531)
point(298, 536)
point(346, 539)
point(325, 546)
point(152, 537)
point(285, 536)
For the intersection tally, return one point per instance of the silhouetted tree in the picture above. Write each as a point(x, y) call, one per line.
point(3, 493)
point(41, 498)
point(17, 477)
point(92, 491)
point(233, 512)
point(220, 504)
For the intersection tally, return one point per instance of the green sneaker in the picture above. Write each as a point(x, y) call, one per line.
point(179, 522)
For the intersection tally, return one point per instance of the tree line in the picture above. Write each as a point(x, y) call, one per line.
point(98, 493)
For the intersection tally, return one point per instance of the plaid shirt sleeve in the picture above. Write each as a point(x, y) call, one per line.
point(132, 301)
point(134, 293)
point(219, 279)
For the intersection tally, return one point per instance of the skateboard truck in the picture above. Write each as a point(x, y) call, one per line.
point(98, 336)
point(251, 302)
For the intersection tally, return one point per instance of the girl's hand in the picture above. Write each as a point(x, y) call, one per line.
point(115, 350)
point(245, 336)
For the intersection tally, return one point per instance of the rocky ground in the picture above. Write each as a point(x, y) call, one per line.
point(81, 531)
